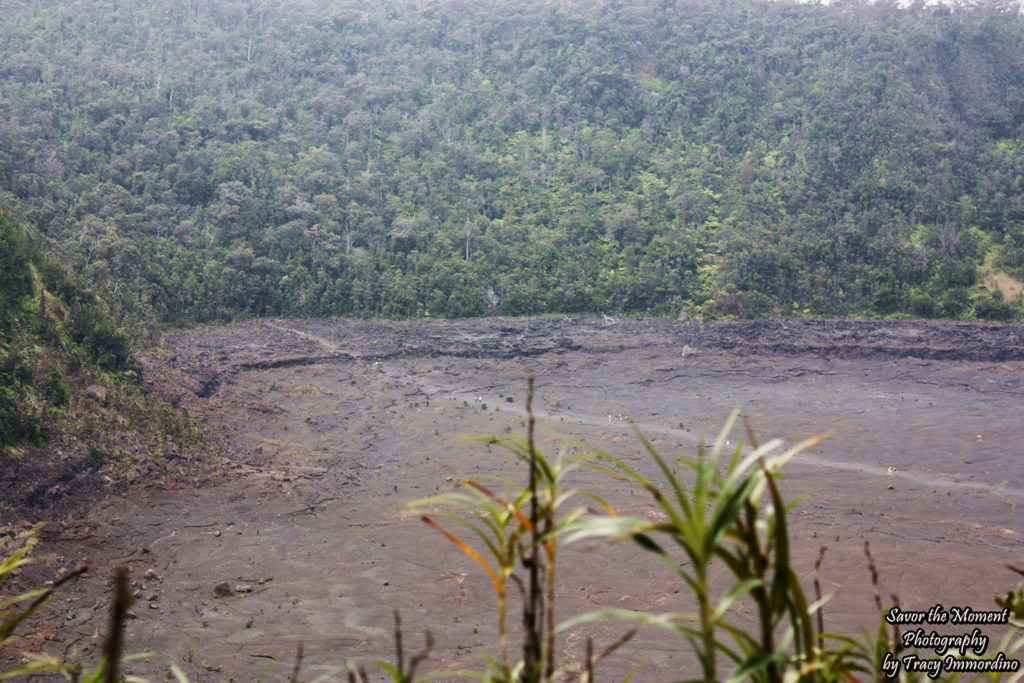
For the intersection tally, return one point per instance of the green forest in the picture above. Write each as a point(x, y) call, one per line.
point(206, 160)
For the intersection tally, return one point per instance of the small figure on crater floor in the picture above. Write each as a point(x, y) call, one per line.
point(892, 471)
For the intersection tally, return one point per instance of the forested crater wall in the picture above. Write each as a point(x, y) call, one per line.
point(207, 160)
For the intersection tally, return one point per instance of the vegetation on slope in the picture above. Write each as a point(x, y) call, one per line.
point(207, 160)
point(71, 396)
point(52, 330)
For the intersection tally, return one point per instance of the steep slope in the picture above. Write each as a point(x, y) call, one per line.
point(76, 417)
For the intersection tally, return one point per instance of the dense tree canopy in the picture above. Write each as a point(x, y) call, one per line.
point(206, 159)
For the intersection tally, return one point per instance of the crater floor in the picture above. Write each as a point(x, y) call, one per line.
point(335, 425)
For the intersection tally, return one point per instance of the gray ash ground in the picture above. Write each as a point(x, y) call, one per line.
point(333, 425)
point(521, 338)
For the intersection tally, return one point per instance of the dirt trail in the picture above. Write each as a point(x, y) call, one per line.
point(327, 345)
point(336, 425)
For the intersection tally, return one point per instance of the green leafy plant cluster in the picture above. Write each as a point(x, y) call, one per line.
point(521, 529)
point(735, 517)
point(713, 515)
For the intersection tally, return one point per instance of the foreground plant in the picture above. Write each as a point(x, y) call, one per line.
point(721, 516)
point(16, 609)
point(518, 527)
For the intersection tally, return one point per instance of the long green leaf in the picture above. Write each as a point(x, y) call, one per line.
point(676, 484)
point(736, 591)
point(43, 664)
point(669, 621)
